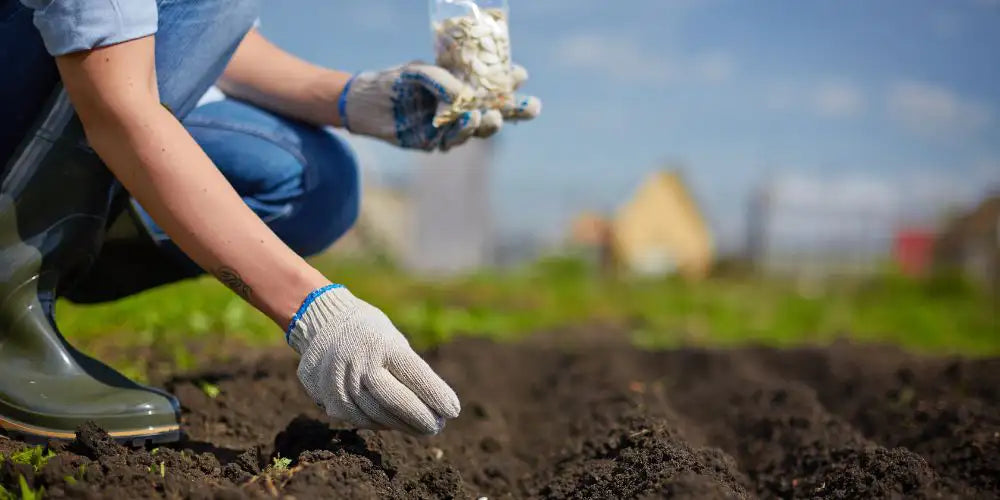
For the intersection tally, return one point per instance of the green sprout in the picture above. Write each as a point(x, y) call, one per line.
point(35, 457)
point(211, 390)
point(281, 464)
point(26, 492)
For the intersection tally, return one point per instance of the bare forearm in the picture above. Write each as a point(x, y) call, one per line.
point(114, 92)
point(196, 206)
point(273, 79)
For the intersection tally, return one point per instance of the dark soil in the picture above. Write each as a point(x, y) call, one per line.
point(584, 419)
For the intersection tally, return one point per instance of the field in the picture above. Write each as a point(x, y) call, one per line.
point(572, 386)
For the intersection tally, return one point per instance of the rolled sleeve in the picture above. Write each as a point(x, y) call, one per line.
point(73, 25)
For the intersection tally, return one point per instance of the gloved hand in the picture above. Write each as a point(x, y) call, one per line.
point(359, 367)
point(399, 105)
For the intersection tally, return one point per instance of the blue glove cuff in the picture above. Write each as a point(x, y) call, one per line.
point(342, 103)
point(315, 294)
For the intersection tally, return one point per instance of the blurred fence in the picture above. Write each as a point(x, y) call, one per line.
point(842, 229)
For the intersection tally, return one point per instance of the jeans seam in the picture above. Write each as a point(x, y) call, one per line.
point(286, 145)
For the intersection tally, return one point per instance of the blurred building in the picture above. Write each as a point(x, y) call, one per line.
point(913, 250)
point(591, 238)
point(661, 230)
point(816, 231)
point(452, 219)
point(971, 244)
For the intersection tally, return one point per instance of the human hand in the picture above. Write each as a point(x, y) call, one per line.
point(359, 367)
point(400, 105)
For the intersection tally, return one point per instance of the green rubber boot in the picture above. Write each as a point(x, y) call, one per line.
point(55, 200)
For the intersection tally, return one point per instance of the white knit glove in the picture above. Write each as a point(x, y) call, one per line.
point(398, 105)
point(359, 368)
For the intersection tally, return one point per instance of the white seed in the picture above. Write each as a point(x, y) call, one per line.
point(477, 51)
point(488, 44)
point(490, 58)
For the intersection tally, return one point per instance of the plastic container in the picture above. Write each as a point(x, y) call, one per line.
point(472, 41)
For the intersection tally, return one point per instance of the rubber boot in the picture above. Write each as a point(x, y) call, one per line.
point(55, 200)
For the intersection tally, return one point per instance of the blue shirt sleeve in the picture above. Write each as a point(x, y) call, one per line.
point(73, 25)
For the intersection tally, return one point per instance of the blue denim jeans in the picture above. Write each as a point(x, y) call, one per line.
point(301, 180)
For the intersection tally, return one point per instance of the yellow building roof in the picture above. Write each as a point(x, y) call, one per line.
point(661, 230)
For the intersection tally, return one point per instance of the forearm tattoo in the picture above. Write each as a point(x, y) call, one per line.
point(229, 277)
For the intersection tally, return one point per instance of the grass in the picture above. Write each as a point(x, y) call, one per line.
point(24, 493)
point(36, 457)
point(939, 315)
point(211, 390)
point(280, 464)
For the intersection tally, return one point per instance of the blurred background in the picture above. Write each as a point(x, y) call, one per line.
point(707, 172)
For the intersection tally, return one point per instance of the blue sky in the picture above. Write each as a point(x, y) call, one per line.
point(857, 101)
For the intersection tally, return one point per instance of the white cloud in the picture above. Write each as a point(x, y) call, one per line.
point(620, 58)
point(914, 194)
point(827, 98)
point(828, 192)
point(624, 59)
point(931, 110)
point(838, 99)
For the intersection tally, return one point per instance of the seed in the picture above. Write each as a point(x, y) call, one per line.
point(488, 45)
point(477, 51)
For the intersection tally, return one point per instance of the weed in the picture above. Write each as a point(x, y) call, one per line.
point(161, 470)
point(211, 390)
point(280, 464)
point(26, 492)
point(36, 457)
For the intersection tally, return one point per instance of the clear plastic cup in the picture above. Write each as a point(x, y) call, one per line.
point(472, 41)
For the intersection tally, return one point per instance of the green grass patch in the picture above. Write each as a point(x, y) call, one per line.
point(36, 457)
point(211, 390)
point(280, 464)
point(24, 492)
point(945, 316)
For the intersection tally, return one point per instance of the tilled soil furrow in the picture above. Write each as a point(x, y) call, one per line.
point(942, 409)
point(786, 441)
point(590, 419)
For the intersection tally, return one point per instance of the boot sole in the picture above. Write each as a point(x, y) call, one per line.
point(135, 437)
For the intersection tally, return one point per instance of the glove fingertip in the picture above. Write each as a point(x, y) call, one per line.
point(460, 131)
point(453, 409)
point(526, 107)
point(446, 403)
point(491, 123)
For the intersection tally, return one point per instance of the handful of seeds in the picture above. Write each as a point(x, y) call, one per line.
point(476, 49)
